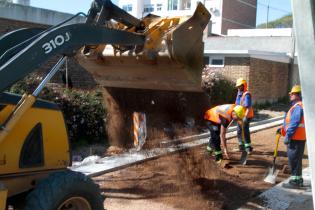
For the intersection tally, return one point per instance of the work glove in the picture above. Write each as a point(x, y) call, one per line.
point(245, 120)
point(286, 140)
point(278, 131)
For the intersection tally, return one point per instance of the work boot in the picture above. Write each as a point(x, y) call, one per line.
point(210, 150)
point(249, 150)
point(240, 148)
point(218, 158)
point(294, 183)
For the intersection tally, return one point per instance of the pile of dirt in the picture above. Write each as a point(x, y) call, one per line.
point(192, 180)
point(167, 112)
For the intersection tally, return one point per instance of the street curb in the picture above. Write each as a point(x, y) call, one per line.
point(168, 143)
point(117, 162)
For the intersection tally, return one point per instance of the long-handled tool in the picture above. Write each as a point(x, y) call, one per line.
point(244, 152)
point(273, 172)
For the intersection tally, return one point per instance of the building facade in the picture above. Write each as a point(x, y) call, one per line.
point(226, 14)
point(269, 68)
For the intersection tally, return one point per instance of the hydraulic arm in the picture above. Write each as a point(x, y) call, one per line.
point(64, 40)
point(148, 53)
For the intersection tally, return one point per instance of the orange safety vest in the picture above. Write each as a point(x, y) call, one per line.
point(224, 111)
point(299, 133)
point(251, 110)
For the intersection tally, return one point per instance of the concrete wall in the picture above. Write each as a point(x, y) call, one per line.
point(34, 15)
point(266, 44)
point(286, 32)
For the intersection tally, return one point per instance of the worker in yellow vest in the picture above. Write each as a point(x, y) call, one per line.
point(293, 130)
point(217, 120)
point(244, 99)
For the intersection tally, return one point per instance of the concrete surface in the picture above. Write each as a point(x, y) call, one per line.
point(279, 198)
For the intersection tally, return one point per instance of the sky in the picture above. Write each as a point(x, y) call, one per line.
point(277, 8)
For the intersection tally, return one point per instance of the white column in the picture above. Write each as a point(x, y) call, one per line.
point(303, 23)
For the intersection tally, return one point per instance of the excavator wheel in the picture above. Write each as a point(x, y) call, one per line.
point(64, 191)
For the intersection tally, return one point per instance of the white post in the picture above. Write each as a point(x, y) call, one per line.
point(303, 23)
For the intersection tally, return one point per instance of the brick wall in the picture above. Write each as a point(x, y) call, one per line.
point(235, 68)
point(79, 76)
point(10, 25)
point(269, 80)
point(238, 15)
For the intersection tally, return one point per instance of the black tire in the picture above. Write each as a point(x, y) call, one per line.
point(51, 193)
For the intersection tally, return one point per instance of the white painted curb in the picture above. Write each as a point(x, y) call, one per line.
point(117, 162)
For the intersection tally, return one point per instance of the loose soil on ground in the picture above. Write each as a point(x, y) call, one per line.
point(192, 180)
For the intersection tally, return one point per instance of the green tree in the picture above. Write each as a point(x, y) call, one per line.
point(283, 22)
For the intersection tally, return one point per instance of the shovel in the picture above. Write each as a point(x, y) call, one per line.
point(273, 172)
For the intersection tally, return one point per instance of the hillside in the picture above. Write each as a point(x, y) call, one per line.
point(284, 22)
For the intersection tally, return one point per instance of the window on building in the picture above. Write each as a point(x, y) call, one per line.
point(172, 5)
point(158, 7)
point(148, 8)
point(127, 7)
point(214, 61)
point(185, 5)
point(206, 60)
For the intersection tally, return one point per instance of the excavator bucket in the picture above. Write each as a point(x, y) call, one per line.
point(170, 59)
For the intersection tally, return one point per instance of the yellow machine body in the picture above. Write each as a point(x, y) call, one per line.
point(36, 144)
point(3, 196)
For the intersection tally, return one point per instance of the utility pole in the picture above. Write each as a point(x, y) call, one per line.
point(267, 14)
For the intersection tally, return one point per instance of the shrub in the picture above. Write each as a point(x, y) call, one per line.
point(83, 110)
point(218, 88)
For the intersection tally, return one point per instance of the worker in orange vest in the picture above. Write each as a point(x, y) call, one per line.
point(244, 99)
point(217, 120)
point(293, 130)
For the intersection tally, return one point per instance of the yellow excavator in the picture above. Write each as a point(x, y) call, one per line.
point(119, 50)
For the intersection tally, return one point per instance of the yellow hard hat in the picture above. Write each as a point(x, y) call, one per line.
point(240, 82)
point(295, 89)
point(239, 111)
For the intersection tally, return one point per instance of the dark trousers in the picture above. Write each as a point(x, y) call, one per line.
point(214, 141)
point(295, 154)
point(246, 133)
